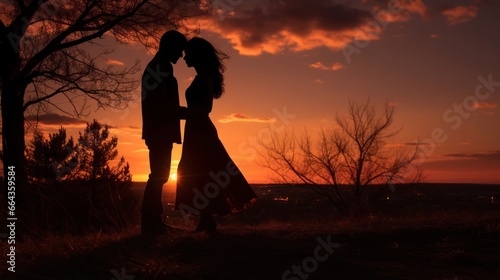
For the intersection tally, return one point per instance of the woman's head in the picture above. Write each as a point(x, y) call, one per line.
point(199, 53)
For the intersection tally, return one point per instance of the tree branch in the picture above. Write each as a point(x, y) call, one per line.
point(21, 22)
point(50, 48)
point(21, 4)
point(56, 92)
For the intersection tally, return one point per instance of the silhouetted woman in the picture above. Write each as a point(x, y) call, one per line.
point(208, 181)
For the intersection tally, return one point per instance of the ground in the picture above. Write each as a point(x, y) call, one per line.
point(441, 243)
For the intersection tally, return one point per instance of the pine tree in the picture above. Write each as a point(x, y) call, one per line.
point(96, 149)
point(53, 159)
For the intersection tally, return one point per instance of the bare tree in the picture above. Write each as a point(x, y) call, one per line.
point(343, 161)
point(52, 48)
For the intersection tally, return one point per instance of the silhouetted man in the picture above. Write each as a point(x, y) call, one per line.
point(161, 116)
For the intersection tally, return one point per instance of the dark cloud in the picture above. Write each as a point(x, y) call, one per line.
point(133, 127)
point(271, 26)
point(298, 16)
point(495, 156)
point(55, 119)
point(417, 144)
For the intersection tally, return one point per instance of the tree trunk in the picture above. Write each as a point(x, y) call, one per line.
point(13, 144)
point(13, 133)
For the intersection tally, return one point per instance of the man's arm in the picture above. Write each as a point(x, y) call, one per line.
point(184, 113)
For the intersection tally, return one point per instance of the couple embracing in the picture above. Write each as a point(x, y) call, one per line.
point(208, 181)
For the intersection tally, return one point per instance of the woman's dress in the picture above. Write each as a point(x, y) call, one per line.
point(208, 181)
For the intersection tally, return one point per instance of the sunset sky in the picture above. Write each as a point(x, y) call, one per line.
point(296, 64)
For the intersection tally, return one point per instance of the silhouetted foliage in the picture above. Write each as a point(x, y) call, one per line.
point(76, 186)
point(96, 149)
point(51, 160)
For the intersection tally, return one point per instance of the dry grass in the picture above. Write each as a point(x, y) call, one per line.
point(438, 244)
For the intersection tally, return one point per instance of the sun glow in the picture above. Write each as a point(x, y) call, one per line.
point(173, 176)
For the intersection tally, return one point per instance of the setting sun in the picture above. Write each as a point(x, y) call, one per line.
point(173, 176)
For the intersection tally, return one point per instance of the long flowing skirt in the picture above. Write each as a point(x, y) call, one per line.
point(208, 181)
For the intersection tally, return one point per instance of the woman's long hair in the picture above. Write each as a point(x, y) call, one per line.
point(205, 55)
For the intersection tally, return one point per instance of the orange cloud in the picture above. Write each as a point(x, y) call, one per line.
point(245, 118)
point(337, 66)
point(415, 6)
point(484, 105)
point(318, 65)
point(460, 14)
point(406, 7)
point(114, 62)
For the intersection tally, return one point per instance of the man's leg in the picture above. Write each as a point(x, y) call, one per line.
point(152, 208)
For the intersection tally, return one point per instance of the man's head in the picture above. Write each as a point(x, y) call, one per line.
point(172, 43)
